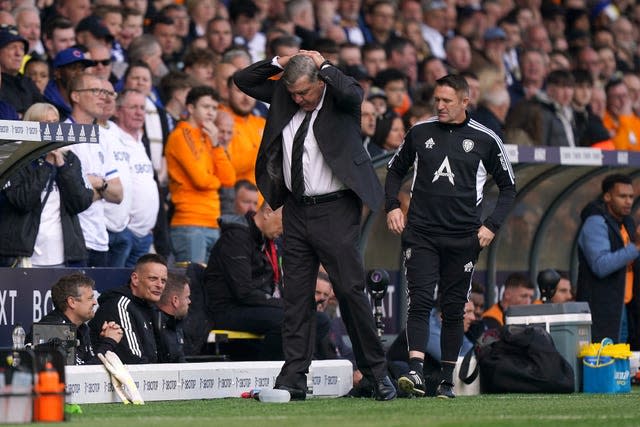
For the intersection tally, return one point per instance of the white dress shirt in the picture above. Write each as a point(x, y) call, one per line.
point(318, 177)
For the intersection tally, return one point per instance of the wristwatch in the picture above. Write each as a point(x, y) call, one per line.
point(326, 62)
point(104, 187)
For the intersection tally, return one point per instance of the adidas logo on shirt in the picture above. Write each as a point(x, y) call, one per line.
point(468, 267)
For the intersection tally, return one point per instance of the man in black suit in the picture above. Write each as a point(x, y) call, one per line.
point(322, 177)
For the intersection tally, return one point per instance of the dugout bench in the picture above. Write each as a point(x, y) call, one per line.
point(221, 338)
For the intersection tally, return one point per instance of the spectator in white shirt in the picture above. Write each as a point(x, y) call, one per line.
point(87, 97)
point(141, 198)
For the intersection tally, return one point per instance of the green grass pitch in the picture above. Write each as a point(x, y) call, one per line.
point(486, 410)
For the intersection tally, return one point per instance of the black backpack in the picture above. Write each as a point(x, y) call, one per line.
point(522, 359)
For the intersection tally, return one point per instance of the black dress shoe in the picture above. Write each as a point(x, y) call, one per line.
point(384, 389)
point(363, 389)
point(296, 393)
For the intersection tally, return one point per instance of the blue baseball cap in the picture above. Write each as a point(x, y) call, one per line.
point(495, 33)
point(71, 55)
point(9, 34)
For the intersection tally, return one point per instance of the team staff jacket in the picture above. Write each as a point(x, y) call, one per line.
point(86, 354)
point(135, 316)
point(170, 338)
point(450, 167)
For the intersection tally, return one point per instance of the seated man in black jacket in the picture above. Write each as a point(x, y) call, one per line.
point(132, 306)
point(172, 308)
point(243, 275)
point(73, 302)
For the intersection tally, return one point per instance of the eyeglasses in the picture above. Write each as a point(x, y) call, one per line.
point(96, 91)
point(103, 62)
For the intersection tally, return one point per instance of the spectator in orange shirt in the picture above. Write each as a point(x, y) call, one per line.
point(619, 119)
point(247, 133)
point(198, 167)
point(518, 290)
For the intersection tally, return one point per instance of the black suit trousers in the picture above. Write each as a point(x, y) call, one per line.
point(326, 233)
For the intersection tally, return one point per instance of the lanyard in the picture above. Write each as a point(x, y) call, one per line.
point(272, 256)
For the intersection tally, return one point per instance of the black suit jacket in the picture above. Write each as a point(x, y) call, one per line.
point(336, 128)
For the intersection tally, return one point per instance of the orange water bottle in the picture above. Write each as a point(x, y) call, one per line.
point(49, 404)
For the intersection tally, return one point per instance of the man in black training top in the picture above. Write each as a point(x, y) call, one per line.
point(74, 302)
point(132, 306)
point(452, 156)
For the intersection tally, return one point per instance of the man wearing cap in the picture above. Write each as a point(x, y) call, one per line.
point(67, 64)
point(17, 90)
point(493, 50)
point(378, 98)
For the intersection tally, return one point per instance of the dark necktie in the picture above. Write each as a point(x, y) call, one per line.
point(297, 174)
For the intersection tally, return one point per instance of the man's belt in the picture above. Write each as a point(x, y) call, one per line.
point(323, 198)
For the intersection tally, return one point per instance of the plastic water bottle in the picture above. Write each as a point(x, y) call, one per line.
point(18, 336)
point(274, 395)
point(20, 402)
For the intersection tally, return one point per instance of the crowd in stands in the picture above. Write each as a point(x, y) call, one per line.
point(542, 73)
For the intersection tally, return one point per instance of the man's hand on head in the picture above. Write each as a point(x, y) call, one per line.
point(318, 59)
